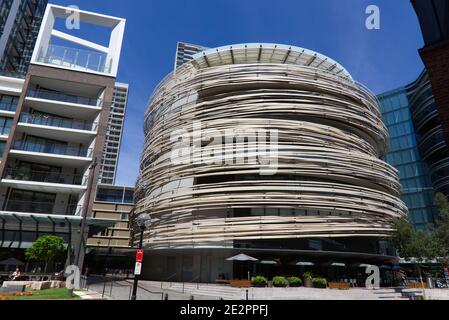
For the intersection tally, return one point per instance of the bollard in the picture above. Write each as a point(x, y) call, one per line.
point(166, 296)
point(192, 298)
point(247, 294)
point(104, 288)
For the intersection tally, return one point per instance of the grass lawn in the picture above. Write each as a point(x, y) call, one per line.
point(50, 294)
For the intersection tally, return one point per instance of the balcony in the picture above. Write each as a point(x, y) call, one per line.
point(75, 59)
point(62, 97)
point(51, 182)
point(65, 129)
point(62, 104)
point(8, 107)
point(40, 208)
point(52, 154)
point(49, 121)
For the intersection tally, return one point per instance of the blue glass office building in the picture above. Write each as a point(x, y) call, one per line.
point(404, 155)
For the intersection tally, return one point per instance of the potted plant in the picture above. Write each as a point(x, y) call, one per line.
point(294, 282)
point(259, 281)
point(308, 277)
point(280, 282)
point(320, 283)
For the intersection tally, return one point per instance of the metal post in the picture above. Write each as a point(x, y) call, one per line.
point(247, 294)
point(136, 277)
point(84, 221)
point(104, 288)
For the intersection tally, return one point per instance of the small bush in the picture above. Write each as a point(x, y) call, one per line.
point(319, 283)
point(259, 281)
point(307, 276)
point(294, 282)
point(280, 282)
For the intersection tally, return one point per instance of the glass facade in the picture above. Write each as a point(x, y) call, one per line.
point(404, 155)
point(21, 38)
point(113, 194)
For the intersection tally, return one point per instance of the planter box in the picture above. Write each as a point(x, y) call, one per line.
point(308, 283)
point(339, 285)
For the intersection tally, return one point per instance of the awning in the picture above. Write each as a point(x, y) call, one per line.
point(15, 217)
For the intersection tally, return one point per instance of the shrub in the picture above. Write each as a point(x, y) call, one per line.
point(280, 282)
point(307, 276)
point(319, 283)
point(259, 281)
point(294, 282)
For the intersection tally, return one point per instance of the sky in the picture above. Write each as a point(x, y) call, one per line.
point(382, 60)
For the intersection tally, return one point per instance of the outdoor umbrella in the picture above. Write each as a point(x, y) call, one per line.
point(11, 262)
point(243, 258)
point(338, 264)
point(305, 264)
point(269, 262)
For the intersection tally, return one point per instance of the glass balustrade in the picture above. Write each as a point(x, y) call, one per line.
point(45, 120)
point(77, 59)
point(59, 96)
point(51, 149)
point(25, 174)
point(41, 208)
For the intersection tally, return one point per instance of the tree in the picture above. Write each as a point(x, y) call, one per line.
point(441, 232)
point(413, 243)
point(46, 249)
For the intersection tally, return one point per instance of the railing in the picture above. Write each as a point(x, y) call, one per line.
point(8, 106)
point(52, 149)
point(59, 96)
point(25, 174)
point(40, 207)
point(57, 122)
point(5, 131)
point(76, 59)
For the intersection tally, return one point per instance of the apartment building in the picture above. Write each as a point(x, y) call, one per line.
point(55, 123)
point(185, 52)
point(111, 246)
point(116, 122)
point(20, 21)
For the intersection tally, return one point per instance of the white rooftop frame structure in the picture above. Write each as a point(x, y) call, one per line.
point(268, 53)
point(112, 52)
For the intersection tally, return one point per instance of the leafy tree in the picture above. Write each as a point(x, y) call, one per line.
point(46, 249)
point(413, 243)
point(441, 232)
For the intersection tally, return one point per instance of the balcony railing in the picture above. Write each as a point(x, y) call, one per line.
point(40, 207)
point(76, 59)
point(59, 96)
point(57, 122)
point(8, 106)
point(24, 174)
point(51, 149)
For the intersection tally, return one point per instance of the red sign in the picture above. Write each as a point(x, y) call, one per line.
point(139, 256)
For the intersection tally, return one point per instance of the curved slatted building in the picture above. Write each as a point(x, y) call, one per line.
point(266, 149)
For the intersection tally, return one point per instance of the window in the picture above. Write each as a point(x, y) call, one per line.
point(29, 201)
point(5, 125)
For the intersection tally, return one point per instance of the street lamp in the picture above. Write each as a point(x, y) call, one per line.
point(141, 222)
